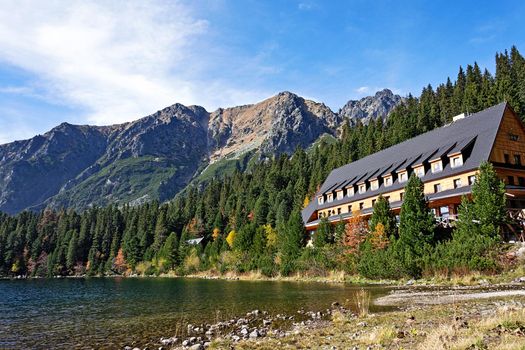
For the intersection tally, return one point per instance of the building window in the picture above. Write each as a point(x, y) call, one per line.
point(388, 181)
point(361, 205)
point(387, 199)
point(403, 177)
point(514, 137)
point(506, 157)
point(521, 180)
point(517, 159)
point(457, 161)
point(437, 167)
point(457, 183)
point(340, 194)
point(444, 211)
point(510, 180)
point(374, 185)
point(471, 180)
point(349, 208)
point(320, 200)
point(350, 191)
point(338, 211)
point(401, 195)
point(330, 197)
point(437, 188)
point(373, 202)
point(362, 188)
point(420, 171)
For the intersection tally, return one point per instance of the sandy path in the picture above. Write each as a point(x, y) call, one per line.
point(404, 298)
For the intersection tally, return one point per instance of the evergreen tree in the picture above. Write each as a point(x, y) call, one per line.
point(291, 243)
point(383, 215)
point(322, 234)
point(416, 227)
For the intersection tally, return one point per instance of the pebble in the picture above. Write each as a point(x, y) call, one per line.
point(197, 347)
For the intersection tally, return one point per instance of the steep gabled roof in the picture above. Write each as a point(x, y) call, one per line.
point(476, 132)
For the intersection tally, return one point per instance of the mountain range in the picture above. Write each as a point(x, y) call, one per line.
point(155, 157)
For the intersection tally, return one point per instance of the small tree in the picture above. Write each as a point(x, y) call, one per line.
point(230, 238)
point(383, 215)
point(378, 237)
point(323, 233)
point(488, 201)
point(416, 227)
point(292, 242)
point(355, 233)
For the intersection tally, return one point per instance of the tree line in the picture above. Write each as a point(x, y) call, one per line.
point(251, 220)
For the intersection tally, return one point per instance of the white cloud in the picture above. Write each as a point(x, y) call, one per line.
point(117, 60)
point(363, 90)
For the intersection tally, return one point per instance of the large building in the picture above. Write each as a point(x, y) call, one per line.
point(446, 159)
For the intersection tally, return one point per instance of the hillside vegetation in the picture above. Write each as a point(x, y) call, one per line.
point(251, 220)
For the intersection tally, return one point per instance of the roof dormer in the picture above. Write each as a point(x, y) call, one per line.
point(388, 180)
point(456, 159)
point(374, 184)
point(320, 200)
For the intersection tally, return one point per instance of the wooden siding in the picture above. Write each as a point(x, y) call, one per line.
point(510, 125)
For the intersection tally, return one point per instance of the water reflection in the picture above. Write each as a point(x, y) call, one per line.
point(111, 313)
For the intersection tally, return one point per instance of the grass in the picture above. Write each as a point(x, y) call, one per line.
point(480, 325)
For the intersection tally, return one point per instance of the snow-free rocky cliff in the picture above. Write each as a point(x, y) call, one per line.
point(155, 157)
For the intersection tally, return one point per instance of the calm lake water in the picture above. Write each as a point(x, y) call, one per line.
point(110, 313)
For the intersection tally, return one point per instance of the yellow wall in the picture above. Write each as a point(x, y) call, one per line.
point(446, 184)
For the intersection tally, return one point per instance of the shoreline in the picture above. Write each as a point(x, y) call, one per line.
point(510, 278)
point(424, 325)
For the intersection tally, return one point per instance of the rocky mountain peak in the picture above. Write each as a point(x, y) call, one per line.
point(371, 107)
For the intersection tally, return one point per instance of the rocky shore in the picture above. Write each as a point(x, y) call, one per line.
point(485, 320)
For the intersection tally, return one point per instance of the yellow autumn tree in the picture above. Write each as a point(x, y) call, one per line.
point(271, 235)
point(231, 238)
point(306, 202)
point(378, 237)
point(216, 233)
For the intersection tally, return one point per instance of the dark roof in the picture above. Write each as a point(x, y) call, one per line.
point(476, 132)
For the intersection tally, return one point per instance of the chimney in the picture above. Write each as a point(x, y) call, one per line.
point(458, 117)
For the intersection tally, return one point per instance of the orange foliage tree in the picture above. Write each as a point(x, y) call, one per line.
point(355, 232)
point(120, 265)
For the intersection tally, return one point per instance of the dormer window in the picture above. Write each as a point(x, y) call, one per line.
point(350, 191)
point(320, 200)
point(437, 166)
point(419, 171)
point(362, 188)
point(374, 185)
point(403, 176)
point(456, 161)
point(388, 181)
point(330, 197)
point(339, 194)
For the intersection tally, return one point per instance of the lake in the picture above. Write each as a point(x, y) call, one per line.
point(111, 313)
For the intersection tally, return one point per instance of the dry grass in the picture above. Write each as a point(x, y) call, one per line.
point(435, 327)
point(362, 302)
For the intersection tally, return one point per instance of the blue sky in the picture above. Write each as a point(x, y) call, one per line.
point(105, 62)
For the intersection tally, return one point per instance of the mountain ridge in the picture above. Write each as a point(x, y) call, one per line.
point(156, 156)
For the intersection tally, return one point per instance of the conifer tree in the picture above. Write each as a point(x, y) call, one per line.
point(382, 214)
point(416, 227)
point(322, 234)
point(291, 242)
